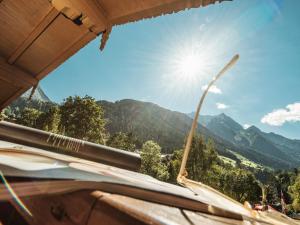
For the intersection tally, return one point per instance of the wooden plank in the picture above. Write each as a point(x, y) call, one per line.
point(6, 90)
point(15, 75)
point(203, 218)
point(155, 9)
point(104, 213)
point(9, 99)
point(115, 8)
point(64, 209)
point(18, 19)
point(56, 39)
point(97, 13)
point(144, 212)
point(80, 43)
point(42, 26)
point(92, 10)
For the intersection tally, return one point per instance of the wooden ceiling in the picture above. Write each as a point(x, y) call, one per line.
point(36, 36)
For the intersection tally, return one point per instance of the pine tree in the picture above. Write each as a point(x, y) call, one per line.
point(294, 191)
point(151, 161)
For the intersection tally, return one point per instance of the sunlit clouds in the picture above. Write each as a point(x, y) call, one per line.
point(213, 89)
point(220, 105)
point(291, 113)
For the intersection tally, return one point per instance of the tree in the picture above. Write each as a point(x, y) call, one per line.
point(82, 118)
point(8, 114)
point(240, 185)
point(272, 193)
point(204, 165)
point(200, 162)
point(294, 191)
point(28, 117)
point(201, 159)
point(2, 115)
point(122, 141)
point(49, 120)
point(151, 161)
point(174, 165)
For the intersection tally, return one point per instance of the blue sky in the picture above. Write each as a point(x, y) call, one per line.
point(144, 60)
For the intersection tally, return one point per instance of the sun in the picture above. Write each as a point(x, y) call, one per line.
point(188, 65)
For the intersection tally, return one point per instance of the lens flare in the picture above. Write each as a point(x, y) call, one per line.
point(189, 65)
point(15, 197)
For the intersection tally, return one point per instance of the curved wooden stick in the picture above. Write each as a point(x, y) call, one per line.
point(182, 171)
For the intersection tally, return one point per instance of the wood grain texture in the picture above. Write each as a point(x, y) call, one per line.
point(66, 209)
point(73, 48)
point(95, 12)
point(14, 75)
point(57, 38)
point(6, 89)
point(18, 19)
point(46, 21)
point(8, 98)
point(104, 214)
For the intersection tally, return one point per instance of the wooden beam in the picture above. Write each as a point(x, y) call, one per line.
point(162, 9)
point(37, 31)
point(95, 12)
point(76, 46)
point(14, 75)
point(12, 97)
point(101, 13)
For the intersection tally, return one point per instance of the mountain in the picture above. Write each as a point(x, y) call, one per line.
point(269, 145)
point(170, 128)
point(38, 101)
point(149, 121)
point(39, 95)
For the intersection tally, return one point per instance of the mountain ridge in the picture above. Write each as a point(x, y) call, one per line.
point(253, 138)
point(149, 121)
point(38, 95)
point(170, 128)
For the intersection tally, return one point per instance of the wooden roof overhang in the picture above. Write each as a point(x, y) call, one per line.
point(36, 36)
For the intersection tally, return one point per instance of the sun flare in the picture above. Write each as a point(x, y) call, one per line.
point(188, 65)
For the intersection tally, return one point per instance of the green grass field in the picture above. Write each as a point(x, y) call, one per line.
point(244, 161)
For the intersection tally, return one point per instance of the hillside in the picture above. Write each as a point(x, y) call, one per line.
point(148, 121)
point(269, 145)
point(169, 128)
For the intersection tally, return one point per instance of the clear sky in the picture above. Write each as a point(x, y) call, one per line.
point(168, 60)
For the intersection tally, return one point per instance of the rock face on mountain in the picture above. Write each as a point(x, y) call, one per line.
point(269, 145)
point(38, 101)
point(38, 95)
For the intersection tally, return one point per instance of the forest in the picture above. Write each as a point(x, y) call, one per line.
point(84, 118)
